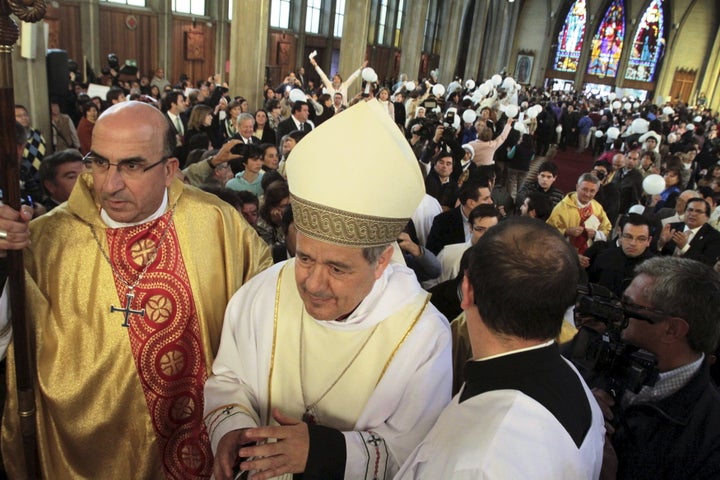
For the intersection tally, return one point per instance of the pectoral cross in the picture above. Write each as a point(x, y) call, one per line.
point(127, 310)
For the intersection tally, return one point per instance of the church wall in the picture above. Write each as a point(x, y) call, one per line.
point(534, 34)
point(691, 41)
point(193, 48)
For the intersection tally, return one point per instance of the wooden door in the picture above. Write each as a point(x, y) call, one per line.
point(682, 85)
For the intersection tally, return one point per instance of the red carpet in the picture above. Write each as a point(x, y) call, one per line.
point(571, 165)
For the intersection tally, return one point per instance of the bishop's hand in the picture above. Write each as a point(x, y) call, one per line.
point(287, 455)
point(226, 457)
point(14, 228)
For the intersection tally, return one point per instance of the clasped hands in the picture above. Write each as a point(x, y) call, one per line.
point(249, 446)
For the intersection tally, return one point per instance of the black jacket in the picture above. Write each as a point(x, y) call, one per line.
point(674, 438)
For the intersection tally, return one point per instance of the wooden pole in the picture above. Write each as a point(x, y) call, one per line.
point(30, 11)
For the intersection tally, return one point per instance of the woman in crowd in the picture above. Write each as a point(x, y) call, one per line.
point(277, 197)
point(86, 125)
point(668, 197)
point(229, 125)
point(337, 85)
point(271, 157)
point(200, 121)
point(384, 99)
point(263, 130)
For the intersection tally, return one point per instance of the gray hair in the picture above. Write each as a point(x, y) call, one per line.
point(372, 254)
point(245, 116)
point(690, 290)
point(588, 177)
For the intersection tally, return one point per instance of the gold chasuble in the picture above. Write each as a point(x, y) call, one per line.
point(115, 401)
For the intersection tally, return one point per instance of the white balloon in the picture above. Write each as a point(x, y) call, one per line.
point(627, 106)
point(470, 84)
point(508, 83)
point(496, 80)
point(558, 129)
point(469, 116)
point(636, 105)
point(612, 96)
point(534, 111)
point(653, 184)
point(368, 74)
point(640, 126)
point(483, 90)
point(668, 111)
point(520, 127)
point(599, 134)
point(297, 95)
point(511, 111)
point(410, 86)
point(438, 90)
point(616, 105)
point(613, 133)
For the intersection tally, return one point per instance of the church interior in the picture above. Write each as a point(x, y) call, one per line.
point(665, 51)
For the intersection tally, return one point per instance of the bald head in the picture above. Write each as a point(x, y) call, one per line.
point(682, 200)
point(618, 161)
point(148, 120)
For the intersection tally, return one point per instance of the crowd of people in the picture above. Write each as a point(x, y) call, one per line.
point(291, 302)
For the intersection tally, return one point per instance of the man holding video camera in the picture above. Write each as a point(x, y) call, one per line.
point(672, 429)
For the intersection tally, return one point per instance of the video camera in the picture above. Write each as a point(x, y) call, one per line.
point(603, 354)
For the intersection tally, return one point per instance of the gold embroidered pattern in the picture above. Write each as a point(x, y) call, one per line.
point(344, 228)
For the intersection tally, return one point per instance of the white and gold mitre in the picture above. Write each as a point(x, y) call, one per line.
point(354, 180)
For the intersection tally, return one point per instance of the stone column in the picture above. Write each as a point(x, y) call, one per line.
point(475, 46)
point(30, 80)
point(354, 40)
point(248, 49)
point(164, 14)
point(89, 35)
point(709, 81)
point(412, 38)
point(450, 34)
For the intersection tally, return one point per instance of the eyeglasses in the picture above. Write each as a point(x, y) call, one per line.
point(131, 168)
point(630, 238)
point(639, 312)
point(695, 210)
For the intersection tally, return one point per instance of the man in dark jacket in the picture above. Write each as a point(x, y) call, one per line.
point(672, 429)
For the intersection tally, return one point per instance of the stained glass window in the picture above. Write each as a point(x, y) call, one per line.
point(608, 42)
point(570, 39)
point(648, 45)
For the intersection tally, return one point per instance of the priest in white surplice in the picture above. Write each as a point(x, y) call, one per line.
point(524, 412)
point(336, 354)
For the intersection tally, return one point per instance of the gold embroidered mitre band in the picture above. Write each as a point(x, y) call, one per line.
point(344, 228)
point(354, 180)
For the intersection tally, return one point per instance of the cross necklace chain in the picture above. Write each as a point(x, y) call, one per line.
point(130, 294)
point(311, 415)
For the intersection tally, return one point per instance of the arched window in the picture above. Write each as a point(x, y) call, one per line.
point(570, 39)
point(648, 46)
point(608, 42)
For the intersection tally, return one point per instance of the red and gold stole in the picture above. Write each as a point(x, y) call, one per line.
point(581, 242)
point(166, 344)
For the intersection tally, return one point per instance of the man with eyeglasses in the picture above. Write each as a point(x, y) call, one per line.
point(629, 180)
point(127, 283)
point(672, 429)
point(694, 238)
point(614, 267)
